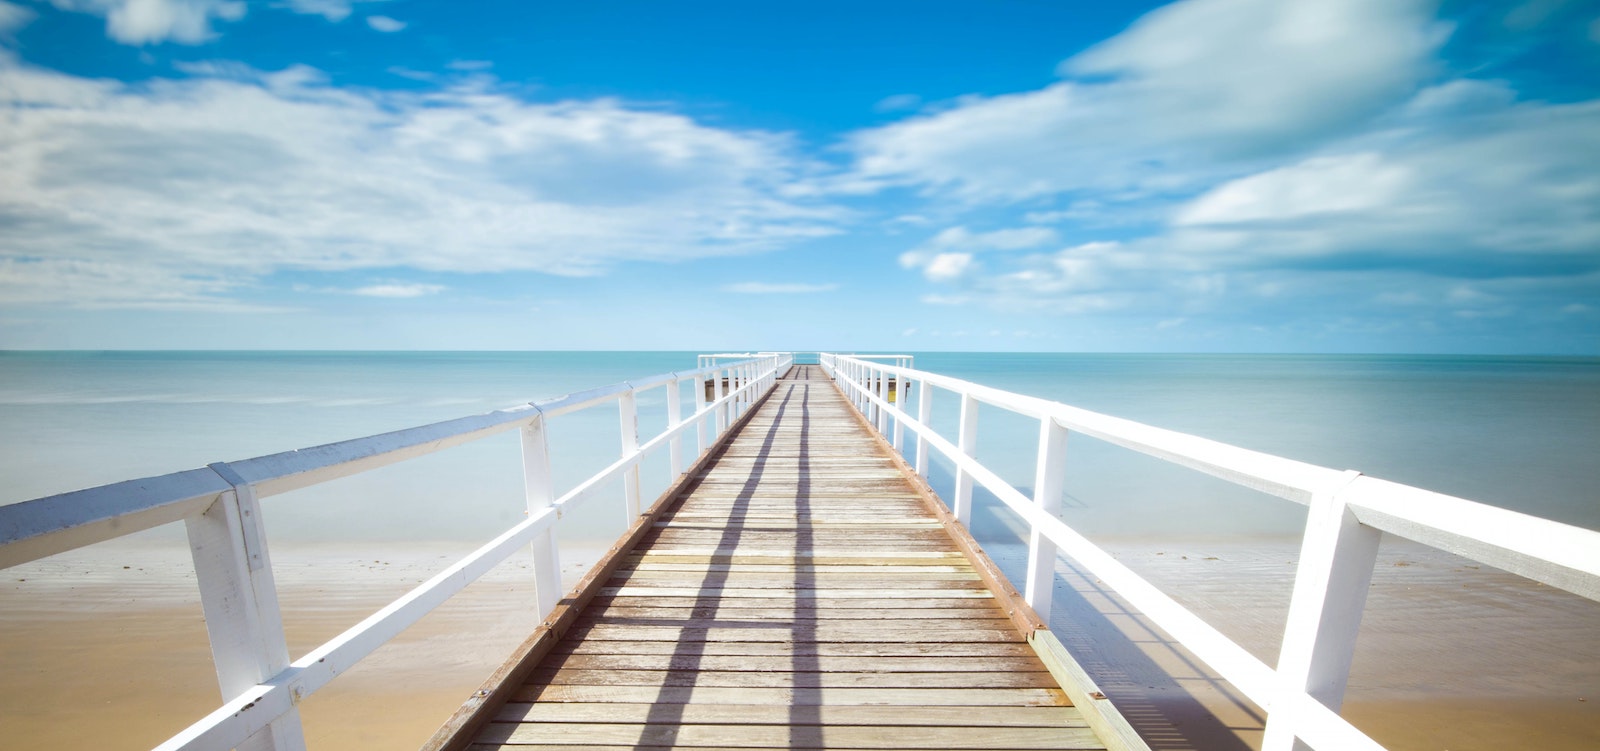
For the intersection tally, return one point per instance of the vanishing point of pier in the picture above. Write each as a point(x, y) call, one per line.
point(798, 591)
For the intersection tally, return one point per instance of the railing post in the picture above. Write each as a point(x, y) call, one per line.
point(240, 601)
point(883, 396)
point(967, 441)
point(539, 489)
point(924, 416)
point(628, 407)
point(1049, 479)
point(674, 419)
point(1330, 590)
point(700, 420)
point(899, 425)
point(721, 410)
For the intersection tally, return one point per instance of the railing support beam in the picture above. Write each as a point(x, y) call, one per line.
point(1049, 479)
point(539, 486)
point(240, 602)
point(967, 442)
point(628, 411)
point(1337, 557)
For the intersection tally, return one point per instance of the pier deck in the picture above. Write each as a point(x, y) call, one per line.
point(798, 592)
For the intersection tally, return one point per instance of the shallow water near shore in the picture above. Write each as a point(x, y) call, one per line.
point(94, 654)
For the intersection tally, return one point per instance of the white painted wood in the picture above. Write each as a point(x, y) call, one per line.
point(1049, 480)
point(674, 418)
point(967, 439)
point(240, 602)
point(717, 399)
point(1330, 591)
point(628, 410)
point(700, 430)
point(43, 527)
point(539, 487)
point(925, 417)
point(1559, 555)
point(898, 440)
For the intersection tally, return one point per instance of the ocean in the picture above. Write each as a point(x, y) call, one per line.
point(1517, 432)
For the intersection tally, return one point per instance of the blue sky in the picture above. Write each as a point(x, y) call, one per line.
point(1206, 175)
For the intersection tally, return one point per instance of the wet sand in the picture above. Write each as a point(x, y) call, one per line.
point(93, 654)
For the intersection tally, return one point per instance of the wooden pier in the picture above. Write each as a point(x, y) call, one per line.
point(797, 589)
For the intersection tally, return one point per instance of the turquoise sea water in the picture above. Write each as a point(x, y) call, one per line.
point(1516, 432)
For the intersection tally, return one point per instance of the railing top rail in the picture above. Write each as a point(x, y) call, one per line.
point(1544, 550)
point(1286, 478)
point(41, 527)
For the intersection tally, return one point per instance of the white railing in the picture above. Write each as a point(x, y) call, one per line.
point(1348, 514)
point(221, 507)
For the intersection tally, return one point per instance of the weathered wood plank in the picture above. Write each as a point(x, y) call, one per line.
point(789, 696)
point(795, 663)
point(739, 679)
point(771, 714)
point(784, 649)
point(766, 736)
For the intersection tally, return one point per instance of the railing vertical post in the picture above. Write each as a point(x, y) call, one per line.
point(721, 410)
point(240, 601)
point(700, 421)
point(1049, 479)
point(674, 419)
point(628, 407)
point(924, 416)
point(899, 425)
point(967, 441)
point(883, 396)
point(1330, 590)
point(539, 488)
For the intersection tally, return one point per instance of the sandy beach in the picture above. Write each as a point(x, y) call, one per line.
point(106, 648)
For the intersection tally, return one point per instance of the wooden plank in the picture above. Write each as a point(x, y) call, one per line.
point(767, 736)
point(742, 679)
point(778, 649)
point(835, 631)
point(795, 663)
point(772, 714)
point(835, 593)
point(789, 696)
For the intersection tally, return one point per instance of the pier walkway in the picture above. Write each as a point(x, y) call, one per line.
point(797, 592)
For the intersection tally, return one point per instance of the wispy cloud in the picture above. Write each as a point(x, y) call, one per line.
point(777, 288)
point(13, 17)
point(1277, 160)
point(240, 173)
point(398, 290)
point(154, 21)
point(385, 24)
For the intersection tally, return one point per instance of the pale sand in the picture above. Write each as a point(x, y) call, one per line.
point(95, 655)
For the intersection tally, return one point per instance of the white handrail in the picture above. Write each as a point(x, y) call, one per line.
point(219, 504)
point(1349, 513)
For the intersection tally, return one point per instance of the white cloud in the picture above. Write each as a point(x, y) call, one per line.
point(961, 238)
point(232, 178)
point(398, 290)
point(13, 17)
point(946, 267)
point(385, 24)
point(154, 21)
point(333, 10)
point(1192, 91)
point(777, 288)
